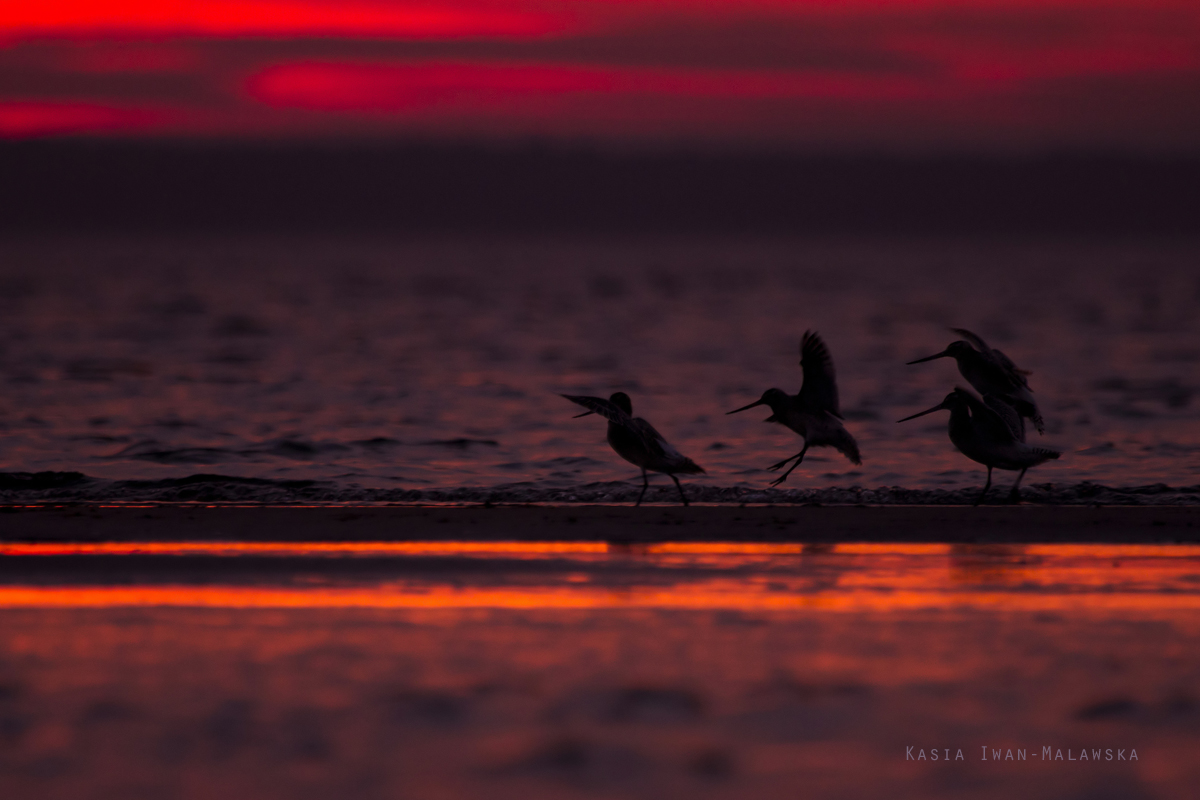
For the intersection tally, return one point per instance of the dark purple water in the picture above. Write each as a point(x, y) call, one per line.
point(438, 365)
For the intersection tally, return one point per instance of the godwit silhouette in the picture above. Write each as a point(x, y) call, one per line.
point(636, 440)
point(983, 435)
point(812, 412)
point(992, 374)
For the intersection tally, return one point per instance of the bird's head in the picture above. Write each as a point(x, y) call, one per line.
point(775, 398)
point(955, 350)
point(952, 401)
point(622, 401)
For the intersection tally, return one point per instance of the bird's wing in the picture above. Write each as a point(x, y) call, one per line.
point(605, 408)
point(1008, 414)
point(819, 390)
point(656, 442)
point(1004, 362)
point(663, 450)
point(1015, 372)
point(991, 423)
point(976, 341)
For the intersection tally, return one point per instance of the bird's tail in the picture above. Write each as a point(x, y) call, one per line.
point(849, 448)
point(1026, 409)
point(687, 467)
point(1045, 453)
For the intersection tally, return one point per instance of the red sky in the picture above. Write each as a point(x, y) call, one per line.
point(850, 74)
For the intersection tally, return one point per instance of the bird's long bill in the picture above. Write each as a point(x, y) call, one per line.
point(584, 414)
point(938, 407)
point(744, 408)
point(942, 354)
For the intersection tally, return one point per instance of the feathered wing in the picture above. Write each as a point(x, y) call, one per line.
point(664, 450)
point(975, 339)
point(1006, 412)
point(1004, 362)
point(1016, 373)
point(990, 423)
point(846, 445)
point(605, 408)
point(664, 456)
point(819, 390)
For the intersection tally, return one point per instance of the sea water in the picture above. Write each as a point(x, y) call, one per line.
point(386, 368)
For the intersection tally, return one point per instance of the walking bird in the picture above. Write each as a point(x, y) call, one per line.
point(992, 374)
point(983, 434)
point(636, 440)
point(813, 412)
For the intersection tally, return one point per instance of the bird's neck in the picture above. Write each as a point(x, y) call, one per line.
point(960, 423)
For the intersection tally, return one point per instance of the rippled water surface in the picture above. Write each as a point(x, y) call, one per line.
point(438, 364)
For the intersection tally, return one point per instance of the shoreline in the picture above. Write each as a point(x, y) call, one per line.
point(1026, 524)
point(59, 488)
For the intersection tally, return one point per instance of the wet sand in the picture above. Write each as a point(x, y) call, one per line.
point(599, 651)
point(1013, 524)
point(588, 669)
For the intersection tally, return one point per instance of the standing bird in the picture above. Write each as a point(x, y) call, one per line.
point(986, 436)
point(636, 440)
point(992, 373)
point(813, 412)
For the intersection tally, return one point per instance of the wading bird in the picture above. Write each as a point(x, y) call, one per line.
point(813, 412)
point(986, 436)
point(636, 440)
point(992, 373)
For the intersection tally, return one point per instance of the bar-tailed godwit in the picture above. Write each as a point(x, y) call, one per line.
point(636, 440)
point(991, 373)
point(813, 412)
point(983, 435)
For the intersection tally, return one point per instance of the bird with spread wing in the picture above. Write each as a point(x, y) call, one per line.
point(635, 440)
point(813, 412)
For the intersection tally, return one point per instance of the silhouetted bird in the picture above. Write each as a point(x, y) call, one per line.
point(813, 412)
point(983, 435)
point(636, 440)
point(992, 373)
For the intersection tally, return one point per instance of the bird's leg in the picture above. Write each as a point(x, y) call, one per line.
point(789, 458)
point(645, 486)
point(1015, 495)
point(680, 488)
point(986, 486)
point(799, 457)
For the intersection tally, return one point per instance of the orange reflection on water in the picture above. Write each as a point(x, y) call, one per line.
point(727, 595)
point(516, 548)
point(300, 549)
point(684, 575)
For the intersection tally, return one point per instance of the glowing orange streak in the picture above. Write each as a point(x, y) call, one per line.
point(700, 599)
point(300, 548)
point(1102, 552)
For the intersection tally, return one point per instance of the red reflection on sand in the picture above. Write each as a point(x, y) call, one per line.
point(432, 20)
point(397, 87)
point(19, 120)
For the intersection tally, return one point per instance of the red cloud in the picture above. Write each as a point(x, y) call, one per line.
point(23, 120)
